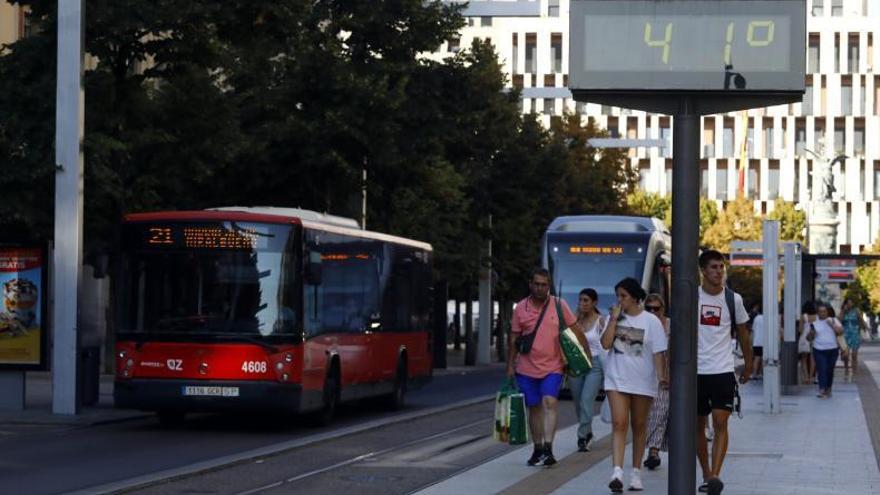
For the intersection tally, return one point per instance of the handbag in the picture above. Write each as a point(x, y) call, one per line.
point(510, 415)
point(523, 343)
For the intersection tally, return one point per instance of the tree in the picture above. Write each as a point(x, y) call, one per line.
point(792, 221)
point(737, 222)
point(866, 289)
point(654, 205)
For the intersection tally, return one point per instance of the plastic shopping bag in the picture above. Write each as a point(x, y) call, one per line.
point(577, 359)
point(511, 422)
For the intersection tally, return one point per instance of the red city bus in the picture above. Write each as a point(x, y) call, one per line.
point(267, 308)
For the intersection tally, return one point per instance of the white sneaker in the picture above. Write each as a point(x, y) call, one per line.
point(635, 481)
point(616, 484)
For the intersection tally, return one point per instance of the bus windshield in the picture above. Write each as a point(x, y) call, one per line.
point(577, 265)
point(209, 279)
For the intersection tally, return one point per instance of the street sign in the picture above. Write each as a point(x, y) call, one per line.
point(836, 270)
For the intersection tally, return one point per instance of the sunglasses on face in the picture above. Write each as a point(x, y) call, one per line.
point(653, 308)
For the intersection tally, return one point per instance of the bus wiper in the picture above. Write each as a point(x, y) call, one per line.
point(265, 345)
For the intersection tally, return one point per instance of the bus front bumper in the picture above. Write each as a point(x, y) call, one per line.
point(213, 396)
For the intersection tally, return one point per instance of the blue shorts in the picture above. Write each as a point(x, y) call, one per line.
point(536, 388)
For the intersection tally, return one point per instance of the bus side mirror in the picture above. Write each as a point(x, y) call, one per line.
point(313, 269)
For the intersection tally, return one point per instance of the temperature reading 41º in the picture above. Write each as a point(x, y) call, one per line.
point(758, 33)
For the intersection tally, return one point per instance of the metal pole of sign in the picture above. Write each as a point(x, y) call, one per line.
point(685, 279)
point(771, 317)
point(791, 298)
point(69, 125)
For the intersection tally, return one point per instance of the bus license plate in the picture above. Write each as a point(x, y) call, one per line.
point(211, 391)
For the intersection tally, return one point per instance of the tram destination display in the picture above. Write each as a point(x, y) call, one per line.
point(687, 45)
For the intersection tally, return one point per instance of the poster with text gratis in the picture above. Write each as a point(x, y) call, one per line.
point(22, 303)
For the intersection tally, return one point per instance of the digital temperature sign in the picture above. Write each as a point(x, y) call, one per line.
point(688, 45)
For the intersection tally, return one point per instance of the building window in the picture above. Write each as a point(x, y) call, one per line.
point(796, 193)
point(859, 138)
point(876, 179)
point(852, 51)
point(819, 134)
point(800, 140)
point(553, 8)
point(514, 54)
point(836, 8)
point(846, 104)
point(754, 174)
point(727, 138)
point(531, 53)
point(666, 136)
point(768, 138)
point(721, 182)
point(813, 54)
point(839, 135)
point(485, 21)
point(549, 106)
point(704, 183)
point(750, 142)
point(863, 101)
point(836, 53)
point(454, 45)
point(580, 108)
point(556, 52)
point(807, 102)
point(668, 180)
point(773, 180)
point(818, 8)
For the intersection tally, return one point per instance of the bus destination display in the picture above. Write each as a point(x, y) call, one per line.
point(202, 237)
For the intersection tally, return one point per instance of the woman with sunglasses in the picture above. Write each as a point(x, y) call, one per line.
point(634, 366)
point(585, 388)
point(659, 415)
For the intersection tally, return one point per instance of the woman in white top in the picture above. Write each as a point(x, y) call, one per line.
point(823, 334)
point(585, 388)
point(658, 418)
point(633, 367)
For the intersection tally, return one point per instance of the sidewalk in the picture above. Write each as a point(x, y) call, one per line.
point(814, 446)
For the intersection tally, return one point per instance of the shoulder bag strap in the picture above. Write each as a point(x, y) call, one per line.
point(541, 316)
point(731, 307)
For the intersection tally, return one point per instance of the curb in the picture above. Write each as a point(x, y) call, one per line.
point(212, 464)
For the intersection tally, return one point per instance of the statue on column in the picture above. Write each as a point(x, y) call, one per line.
point(823, 215)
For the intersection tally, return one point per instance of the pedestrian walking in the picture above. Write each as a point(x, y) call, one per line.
point(853, 325)
point(634, 366)
point(720, 310)
point(822, 333)
point(805, 348)
point(758, 342)
point(658, 417)
point(538, 369)
point(585, 388)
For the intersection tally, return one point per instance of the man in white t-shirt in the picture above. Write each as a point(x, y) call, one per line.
point(716, 382)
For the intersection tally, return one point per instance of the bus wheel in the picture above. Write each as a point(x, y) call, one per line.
point(331, 399)
point(170, 417)
point(397, 399)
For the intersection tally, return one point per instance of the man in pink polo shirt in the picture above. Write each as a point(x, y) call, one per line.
point(539, 373)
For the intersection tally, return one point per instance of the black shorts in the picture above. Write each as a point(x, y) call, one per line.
point(758, 351)
point(715, 392)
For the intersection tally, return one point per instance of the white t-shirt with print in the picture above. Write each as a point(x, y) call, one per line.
point(629, 364)
point(714, 354)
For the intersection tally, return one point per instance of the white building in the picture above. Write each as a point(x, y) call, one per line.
point(842, 105)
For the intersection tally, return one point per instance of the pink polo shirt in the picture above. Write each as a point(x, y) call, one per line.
point(545, 356)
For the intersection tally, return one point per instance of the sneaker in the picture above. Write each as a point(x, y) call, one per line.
point(714, 486)
point(549, 460)
point(635, 481)
point(537, 456)
point(616, 484)
point(652, 462)
point(703, 488)
point(584, 443)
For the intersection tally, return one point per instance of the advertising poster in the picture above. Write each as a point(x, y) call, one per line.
point(22, 299)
